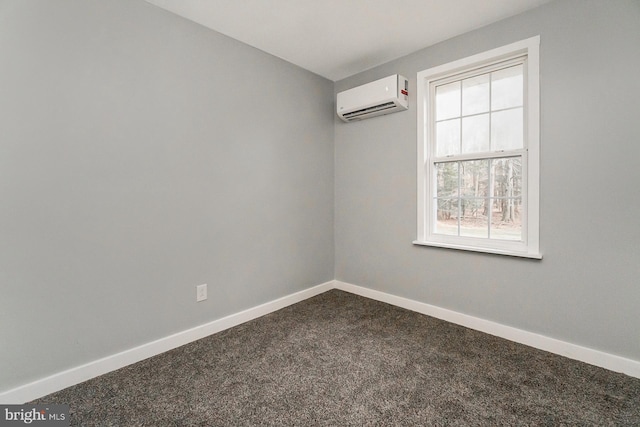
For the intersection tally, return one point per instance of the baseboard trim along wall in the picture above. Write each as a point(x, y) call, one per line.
point(85, 372)
point(76, 375)
point(541, 342)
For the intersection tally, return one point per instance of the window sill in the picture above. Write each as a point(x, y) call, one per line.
point(479, 249)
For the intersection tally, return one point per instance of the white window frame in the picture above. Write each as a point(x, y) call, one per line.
point(529, 246)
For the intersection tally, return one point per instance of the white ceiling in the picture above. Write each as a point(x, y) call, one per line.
point(339, 38)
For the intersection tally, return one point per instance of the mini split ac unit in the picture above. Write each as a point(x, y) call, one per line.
point(384, 96)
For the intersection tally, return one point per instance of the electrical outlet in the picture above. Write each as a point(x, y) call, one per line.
point(201, 292)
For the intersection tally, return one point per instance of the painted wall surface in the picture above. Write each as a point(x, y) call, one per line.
point(141, 155)
point(586, 290)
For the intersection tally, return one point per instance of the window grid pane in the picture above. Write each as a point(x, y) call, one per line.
point(448, 137)
point(506, 219)
point(481, 113)
point(448, 101)
point(473, 218)
point(479, 198)
point(506, 88)
point(475, 95)
point(507, 130)
point(475, 133)
point(447, 217)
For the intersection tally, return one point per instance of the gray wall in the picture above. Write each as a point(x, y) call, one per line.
point(586, 289)
point(142, 155)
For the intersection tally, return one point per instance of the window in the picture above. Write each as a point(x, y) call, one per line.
point(478, 152)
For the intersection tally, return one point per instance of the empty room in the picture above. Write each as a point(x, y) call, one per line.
point(329, 212)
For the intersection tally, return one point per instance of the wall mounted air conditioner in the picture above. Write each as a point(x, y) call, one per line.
point(384, 96)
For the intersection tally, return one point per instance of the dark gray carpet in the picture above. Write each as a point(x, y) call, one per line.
point(339, 359)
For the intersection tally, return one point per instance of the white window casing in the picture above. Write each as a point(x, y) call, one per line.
point(522, 56)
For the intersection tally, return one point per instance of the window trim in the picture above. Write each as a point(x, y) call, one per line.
point(529, 248)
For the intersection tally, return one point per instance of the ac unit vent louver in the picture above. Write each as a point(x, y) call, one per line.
point(370, 110)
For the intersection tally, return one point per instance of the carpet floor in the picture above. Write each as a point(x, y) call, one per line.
point(338, 359)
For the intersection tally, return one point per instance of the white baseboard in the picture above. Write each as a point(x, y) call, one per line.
point(78, 374)
point(552, 345)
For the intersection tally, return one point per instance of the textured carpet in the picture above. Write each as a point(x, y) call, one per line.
point(339, 359)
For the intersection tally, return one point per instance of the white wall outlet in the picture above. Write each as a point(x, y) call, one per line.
point(201, 292)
